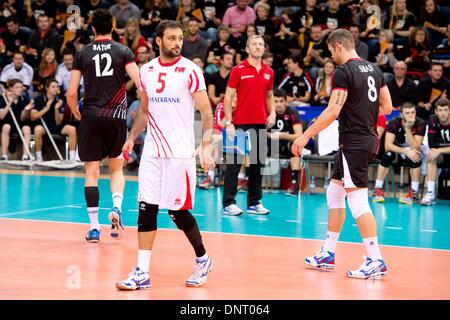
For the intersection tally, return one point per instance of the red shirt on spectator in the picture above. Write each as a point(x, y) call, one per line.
point(251, 87)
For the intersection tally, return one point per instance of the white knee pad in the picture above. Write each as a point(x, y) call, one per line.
point(335, 196)
point(358, 202)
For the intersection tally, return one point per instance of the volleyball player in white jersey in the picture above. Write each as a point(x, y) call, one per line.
point(174, 86)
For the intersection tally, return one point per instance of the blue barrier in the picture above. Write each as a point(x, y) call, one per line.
point(311, 112)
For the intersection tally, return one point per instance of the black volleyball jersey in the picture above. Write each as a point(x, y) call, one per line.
point(102, 65)
point(358, 117)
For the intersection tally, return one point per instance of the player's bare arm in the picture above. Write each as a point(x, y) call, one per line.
point(133, 72)
point(72, 93)
point(202, 103)
point(140, 123)
point(337, 100)
point(385, 101)
point(270, 122)
point(228, 109)
point(389, 145)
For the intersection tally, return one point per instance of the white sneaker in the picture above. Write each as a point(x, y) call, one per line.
point(258, 209)
point(429, 199)
point(200, 275)
point(370, 269)
point(137, 280)
point(232, 210)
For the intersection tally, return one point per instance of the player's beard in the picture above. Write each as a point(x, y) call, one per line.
point(172, 53)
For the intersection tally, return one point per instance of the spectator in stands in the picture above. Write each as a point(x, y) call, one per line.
point(217, 83)
point(238, 17)
point(88, 8)
point(418, 61)
point(401, 87)
point(403, 141)
point(315, 52)
point(324, 83)
point(267, 59)
point(434, 21)
point(20, 105)
point(241, 42)
point(132, 37)
point(49, 107)
point(222, 45)
point(63, 71)
point(47, 67)
point(43, 37)
point(445, 48)
point(288, 30)
point(362, 49)
point(400, 21)
point(15, 39)
point(38, 8)
point(446, 42)
point(197, 59)
point(439, 143)
point(310, 15)
point(430, 89)
point(384, 54)
point(287, 128)
point(297, 84)
point(335, 17)
point(187, 11)
point(194, 43)
point(18, 69)
point(209, 31)
point(123, 11)
point(368, 23)
point(153, 12)
point(264, 25)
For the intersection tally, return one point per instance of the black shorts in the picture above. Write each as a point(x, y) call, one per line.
point(352, 167)
point(101, 137)
point(445, 161)
point(284, 149)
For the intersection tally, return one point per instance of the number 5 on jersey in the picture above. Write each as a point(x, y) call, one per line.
point(161, 81)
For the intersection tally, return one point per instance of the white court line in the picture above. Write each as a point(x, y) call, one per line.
point(428, 230)
point(394, 228)
point(198, 214)
point(261, 219)
point(323, 222)
point(294, 221)
point(354, 225)
point(233, 234)
point(74, 206)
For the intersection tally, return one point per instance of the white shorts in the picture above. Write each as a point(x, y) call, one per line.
point(167, 182)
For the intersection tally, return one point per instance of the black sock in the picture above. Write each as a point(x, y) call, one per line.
point(294, 175)
point(92, 196)
point(195, 238)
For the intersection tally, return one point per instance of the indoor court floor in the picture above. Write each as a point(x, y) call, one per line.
point(43, 254)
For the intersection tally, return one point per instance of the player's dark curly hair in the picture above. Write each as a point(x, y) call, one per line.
point(102, 21)
point(167, 24)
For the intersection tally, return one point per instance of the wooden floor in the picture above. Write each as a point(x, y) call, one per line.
point(50, 260)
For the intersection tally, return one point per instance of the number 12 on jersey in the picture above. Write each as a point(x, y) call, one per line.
point(107, 71)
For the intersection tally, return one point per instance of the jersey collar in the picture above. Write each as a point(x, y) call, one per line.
point(169, 64)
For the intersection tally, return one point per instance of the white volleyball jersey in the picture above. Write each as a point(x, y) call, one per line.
point(170, 125)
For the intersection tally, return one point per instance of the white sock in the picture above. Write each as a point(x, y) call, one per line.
point(93, 217)
point(431, 185)
point(39, 156)
point(415, 186)
point(5, 156)
point(72, 154)
point(372, 248)
point(379, 184)
point(211, 174)
point(331, 241)
point(117, 200)
point(144, 257)
point(241, 176)
point(203, 257)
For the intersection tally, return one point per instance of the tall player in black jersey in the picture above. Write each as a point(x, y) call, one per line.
point(103, 130)
point(358, 96)
point(439, 143)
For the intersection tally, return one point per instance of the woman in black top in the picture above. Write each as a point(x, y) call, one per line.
point(419, 48)
point(434, 21)
point(153, 13)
